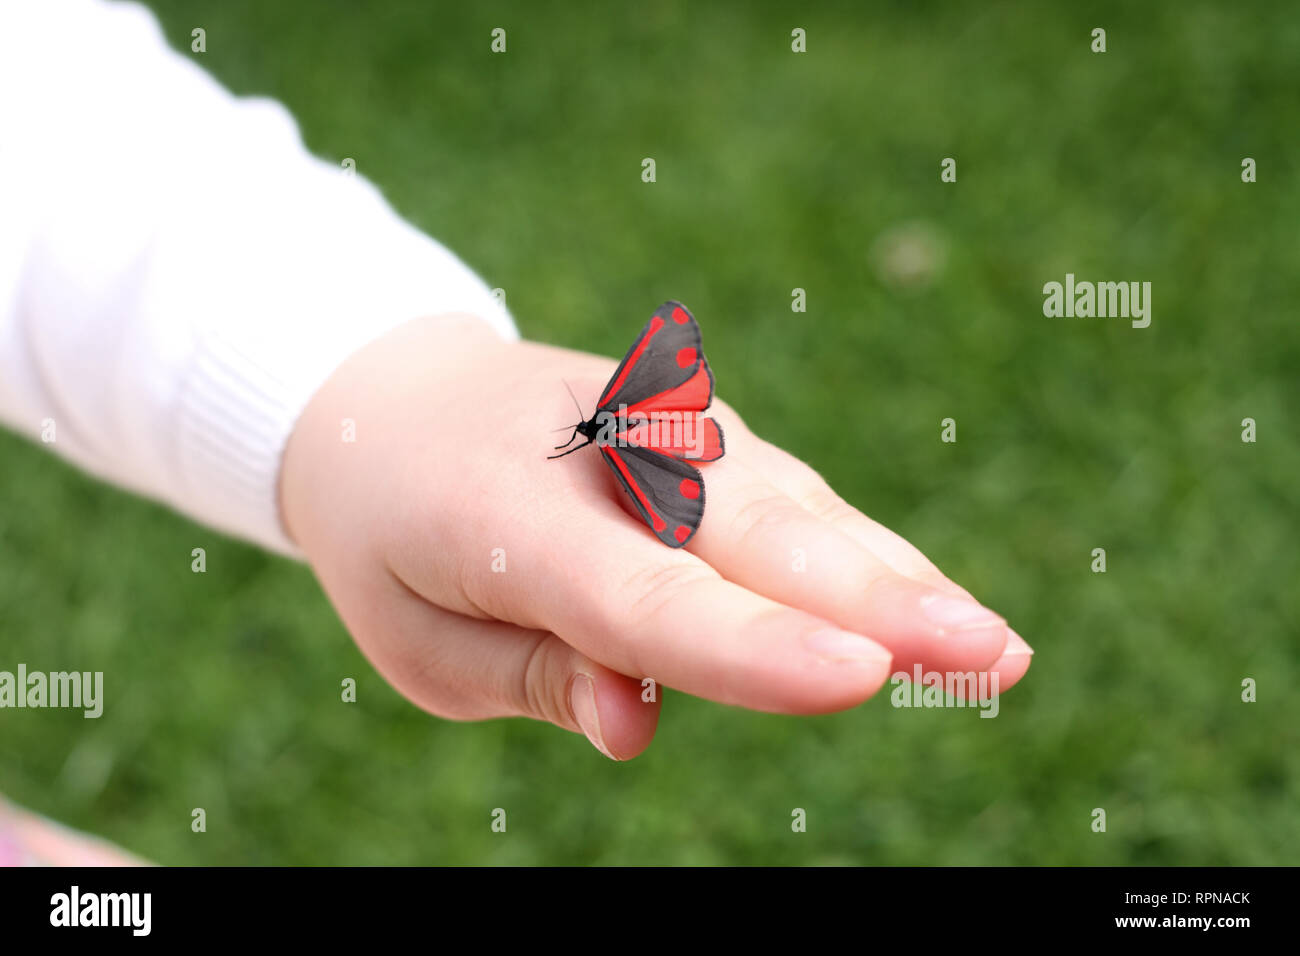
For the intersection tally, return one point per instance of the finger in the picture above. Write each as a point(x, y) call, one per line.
point(1014, 662)
point(609, 588)
point(810, 490)
point(462, 668)
point(665, 615)
point(757, 536)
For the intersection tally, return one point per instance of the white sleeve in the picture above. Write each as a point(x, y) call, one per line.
point(177, 275)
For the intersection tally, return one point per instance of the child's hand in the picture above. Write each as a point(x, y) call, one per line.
point(484, 581)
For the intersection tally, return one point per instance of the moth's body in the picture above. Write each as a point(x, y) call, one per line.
point(591, 430)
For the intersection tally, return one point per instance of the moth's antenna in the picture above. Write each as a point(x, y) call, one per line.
point(574, 437)
point(581, 416)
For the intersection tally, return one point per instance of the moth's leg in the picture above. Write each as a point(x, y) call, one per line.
point(571, 450)
point(569, 442)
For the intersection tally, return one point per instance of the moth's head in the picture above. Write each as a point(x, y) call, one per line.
point(590, 429)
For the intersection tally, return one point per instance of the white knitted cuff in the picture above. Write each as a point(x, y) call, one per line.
point(249, 384)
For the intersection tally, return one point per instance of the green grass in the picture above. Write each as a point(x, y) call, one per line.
point(775, 171)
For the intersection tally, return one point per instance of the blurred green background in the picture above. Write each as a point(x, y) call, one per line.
point(775, 170)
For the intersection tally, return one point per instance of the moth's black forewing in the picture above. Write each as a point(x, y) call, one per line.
point(667, 492)
point(656, 366)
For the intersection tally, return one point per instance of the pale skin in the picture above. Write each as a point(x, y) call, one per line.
point(453, 427)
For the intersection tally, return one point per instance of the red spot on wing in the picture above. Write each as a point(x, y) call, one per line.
point(682, 532)
point(689, 488)
point(680, 316)
point(686, 357)
point(658, 522)
point(656, 324)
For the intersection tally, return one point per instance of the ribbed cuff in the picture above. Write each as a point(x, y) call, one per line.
point(241, 400)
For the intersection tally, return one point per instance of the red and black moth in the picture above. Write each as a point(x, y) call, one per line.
point(648, 425)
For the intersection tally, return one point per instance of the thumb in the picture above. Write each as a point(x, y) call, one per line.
point(464, 668)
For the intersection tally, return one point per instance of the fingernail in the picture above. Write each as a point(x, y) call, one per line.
point(582, 701)
point(957, 614)
point(836, 645)
point(1016, 645)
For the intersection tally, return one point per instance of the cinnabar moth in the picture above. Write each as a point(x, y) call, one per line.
point(648, 425)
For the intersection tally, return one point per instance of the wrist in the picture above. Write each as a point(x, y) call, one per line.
point(359, 423)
